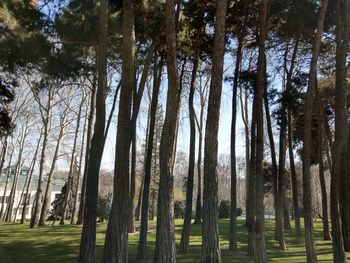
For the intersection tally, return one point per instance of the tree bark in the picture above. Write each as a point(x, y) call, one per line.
point(116, 241)
point(88, 236)
point(185, 235)
point(326, 233)
point(210, 231)
point(38, 196)
point(259, 225)
point(89, 134)
point(142, 245)
point(76, 190)
point(165, 234)
point(341, 126)
point(2, 214)
point(71, 167)
point(307, 191)
point(233, 217)
point(31, 172)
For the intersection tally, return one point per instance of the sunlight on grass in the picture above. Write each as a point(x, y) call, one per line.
point(59, 244)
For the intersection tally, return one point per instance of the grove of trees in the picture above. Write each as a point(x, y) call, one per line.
point(146, 85)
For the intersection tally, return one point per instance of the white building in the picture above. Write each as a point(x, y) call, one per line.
point(9, 174)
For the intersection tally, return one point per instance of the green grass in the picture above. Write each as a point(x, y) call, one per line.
point(19, 244)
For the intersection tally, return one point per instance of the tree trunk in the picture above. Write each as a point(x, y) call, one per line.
point(259, 226)
point(89, 135)
point(2, 216)
point(70, 174)
point(210, 231)
point(165, 233)
point(307, 191)
point(142, 245)
point(326, 233)
point(293, 177)
point(19, 164)
point(137, 97)
point(185, 235)
point(31, 172)
point(116, 241)
point(233, 217)
point(76, 190)
point(88, 236)
point(341, 126)
point(38, 196)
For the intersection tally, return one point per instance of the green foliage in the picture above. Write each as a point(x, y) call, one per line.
point(224, 209)
point(179, 209)
point(104, 205)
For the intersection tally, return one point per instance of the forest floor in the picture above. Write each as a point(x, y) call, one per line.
point(19, 244)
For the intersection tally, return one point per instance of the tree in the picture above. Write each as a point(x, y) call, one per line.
point(307, 199)
point(341, 126)
point(211, 248)
point(142, 245)
point(165, 235)
point(116, 241)
point(88, 236)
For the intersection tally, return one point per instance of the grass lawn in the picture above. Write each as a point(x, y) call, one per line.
point(19, 244)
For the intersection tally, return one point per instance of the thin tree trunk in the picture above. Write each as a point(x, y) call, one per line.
point(2, 216)
point(89, 134)
point(88, 236)
point(76, 190)
point(70, 174)
point(38, 196)
point(46, 197)
point(31, 172)
point(307, 191)
point(185, 235)
point(326, 233)
point(233, 216)
point(142, 245)
point(210, 231)
point(19, 164)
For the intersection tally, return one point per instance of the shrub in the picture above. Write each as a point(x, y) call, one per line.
point(224, 209)
point(104, 204)
point(179, 209)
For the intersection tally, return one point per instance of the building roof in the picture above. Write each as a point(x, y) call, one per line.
point(35, 178)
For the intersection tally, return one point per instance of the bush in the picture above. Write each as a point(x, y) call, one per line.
point(225, 209)
point(179, 209)
point(104, 205)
